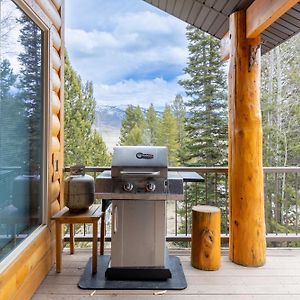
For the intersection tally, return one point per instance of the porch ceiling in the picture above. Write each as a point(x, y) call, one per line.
point(212, 16)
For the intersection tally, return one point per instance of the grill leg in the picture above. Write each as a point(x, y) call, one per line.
point(102, 234)
point(72, 241)
point(95, 240)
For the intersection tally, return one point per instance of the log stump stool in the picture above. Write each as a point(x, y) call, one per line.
point(206, 238)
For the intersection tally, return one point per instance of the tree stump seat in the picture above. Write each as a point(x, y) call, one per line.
point(206, 237)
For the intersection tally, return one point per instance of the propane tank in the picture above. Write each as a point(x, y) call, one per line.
point(79, 190)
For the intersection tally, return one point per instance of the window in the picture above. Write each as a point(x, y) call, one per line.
point(21, 126)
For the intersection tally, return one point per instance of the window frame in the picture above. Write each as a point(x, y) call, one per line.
point(34, 12)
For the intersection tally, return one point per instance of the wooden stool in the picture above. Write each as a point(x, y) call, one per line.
point(206, 237)
point(64, 216)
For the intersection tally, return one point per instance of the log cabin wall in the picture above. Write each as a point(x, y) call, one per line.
point(23, 274)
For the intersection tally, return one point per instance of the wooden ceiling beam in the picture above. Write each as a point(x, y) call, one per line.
point(225, 47)
point(262, 13)
point(259, 16)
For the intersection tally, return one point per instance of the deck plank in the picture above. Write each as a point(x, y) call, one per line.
point(278, 279)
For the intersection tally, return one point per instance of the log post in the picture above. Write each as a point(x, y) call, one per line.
point(206, 238)
point(246, 194)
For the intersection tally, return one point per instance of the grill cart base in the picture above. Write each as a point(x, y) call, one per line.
point(138, 273)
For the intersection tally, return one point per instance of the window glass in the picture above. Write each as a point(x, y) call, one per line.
point(21, 130)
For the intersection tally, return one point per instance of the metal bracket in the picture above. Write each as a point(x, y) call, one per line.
point(252, 56)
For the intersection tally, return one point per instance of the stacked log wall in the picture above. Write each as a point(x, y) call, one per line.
point(24, 274)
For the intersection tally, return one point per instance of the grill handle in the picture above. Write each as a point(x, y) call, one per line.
point(137, 173)
point(115, 219)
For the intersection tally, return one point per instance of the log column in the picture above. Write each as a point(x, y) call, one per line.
point(247, 224)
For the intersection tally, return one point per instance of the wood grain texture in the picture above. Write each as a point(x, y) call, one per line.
point(225, 47)
point(50, 10)
point(61, 112)
point(55, 126)
point(17, 273)
point(54, 208)
point(55, 59)
point(55, 144)
point(56, 82)
point(246, 184)
point(55, 103)
point(56, 38)
point(26, 271)
point(54, 191)
point(206, 238)
point(33, 282)
point(279, 279)
point(262, 13)
point(57, 3)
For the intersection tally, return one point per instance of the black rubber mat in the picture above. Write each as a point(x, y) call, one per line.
point(98, 281)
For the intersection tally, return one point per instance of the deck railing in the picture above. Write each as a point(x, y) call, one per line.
point(282, 199)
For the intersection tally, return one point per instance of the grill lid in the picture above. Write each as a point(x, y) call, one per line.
point(140, 156)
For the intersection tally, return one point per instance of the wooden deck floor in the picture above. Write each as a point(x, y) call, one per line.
point(278, 279)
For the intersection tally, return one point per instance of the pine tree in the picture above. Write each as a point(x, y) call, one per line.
point(281, 124)
point(152, 125)
point(83, 145)
point(168, 134)
point(206, 125)
point(7, 79)
point(179, 112)
point(12, 118)
point(31, 67)
point(133, 127)
point(205, 142)
point(30, 84)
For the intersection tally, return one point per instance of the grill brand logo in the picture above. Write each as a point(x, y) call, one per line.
point(141, 155)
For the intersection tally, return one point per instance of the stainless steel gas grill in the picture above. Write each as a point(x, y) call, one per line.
point(139, 185)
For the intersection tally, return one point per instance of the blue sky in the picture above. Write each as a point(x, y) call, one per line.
point(133, 52)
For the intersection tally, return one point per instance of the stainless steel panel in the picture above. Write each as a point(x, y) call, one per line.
point(140, 156)
point(138, 234)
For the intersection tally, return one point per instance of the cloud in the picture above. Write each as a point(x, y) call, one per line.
point(156, 91)
point(89, 42)
point(128, 44)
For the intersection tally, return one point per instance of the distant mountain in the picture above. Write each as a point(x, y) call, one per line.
point(109, 116)
point(109, 120)
point(113, 115)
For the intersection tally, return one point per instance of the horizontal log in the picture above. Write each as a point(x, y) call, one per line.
point(56, 39)
point(263, 13)
point(36, 277)
point(55, 145)
point(55, 102)
point(54, 208)
point(57, 3)
point(55, 126)
point(14, 276)
point(56, 83)
point(51, 12)
point(55, 60)
point(54, 190)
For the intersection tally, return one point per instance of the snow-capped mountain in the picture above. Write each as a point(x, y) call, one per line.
point(109, 120)
point(109, 116)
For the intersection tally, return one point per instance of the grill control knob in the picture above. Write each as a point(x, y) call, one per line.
point(150, 187)
point(128, 187)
